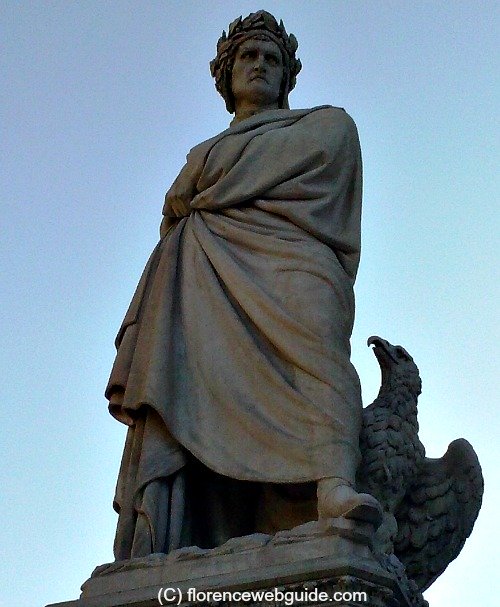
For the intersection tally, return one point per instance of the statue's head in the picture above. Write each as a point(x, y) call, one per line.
point(260, 30)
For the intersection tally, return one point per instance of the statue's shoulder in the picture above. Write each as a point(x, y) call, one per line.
point(200, 151)
point(323, 117)
point(332, 123)
point(334, 115)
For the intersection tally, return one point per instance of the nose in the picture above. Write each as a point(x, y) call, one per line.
point(259, 65)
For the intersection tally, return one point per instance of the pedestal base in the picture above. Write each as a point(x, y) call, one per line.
point(320, 563)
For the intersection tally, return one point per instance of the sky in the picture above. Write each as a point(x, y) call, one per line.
point(100, 102)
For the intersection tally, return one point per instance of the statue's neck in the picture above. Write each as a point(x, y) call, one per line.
point(246, 110)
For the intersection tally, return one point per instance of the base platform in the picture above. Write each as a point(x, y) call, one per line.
point(320, 563)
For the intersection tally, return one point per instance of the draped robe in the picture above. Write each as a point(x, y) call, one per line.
point(235, 348)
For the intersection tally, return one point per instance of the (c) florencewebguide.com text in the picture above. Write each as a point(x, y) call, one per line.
point(175, 596)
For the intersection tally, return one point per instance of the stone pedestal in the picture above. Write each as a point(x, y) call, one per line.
point(320, 563)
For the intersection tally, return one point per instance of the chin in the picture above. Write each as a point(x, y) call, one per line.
point(262, 93)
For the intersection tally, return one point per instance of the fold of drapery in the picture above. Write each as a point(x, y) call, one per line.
point(238, 335)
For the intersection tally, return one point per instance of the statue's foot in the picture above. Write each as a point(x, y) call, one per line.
point(340, 500)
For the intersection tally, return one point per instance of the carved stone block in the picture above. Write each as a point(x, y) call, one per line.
point(320, 563)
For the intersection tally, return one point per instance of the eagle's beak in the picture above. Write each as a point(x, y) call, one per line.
point(381, 347)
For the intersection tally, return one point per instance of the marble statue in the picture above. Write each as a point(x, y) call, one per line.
point(233, 370)
point(233, 367)
point(429, 505)
point(250, 466)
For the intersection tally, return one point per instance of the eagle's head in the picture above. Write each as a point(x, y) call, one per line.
point(397, 366)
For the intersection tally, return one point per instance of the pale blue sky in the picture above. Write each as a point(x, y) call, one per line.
point(100, 102)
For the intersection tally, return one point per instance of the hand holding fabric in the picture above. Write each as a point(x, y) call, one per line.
point(179, 196)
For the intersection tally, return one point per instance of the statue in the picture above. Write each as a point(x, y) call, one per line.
point(251, 472)
point(233, 367)
point(429, 505)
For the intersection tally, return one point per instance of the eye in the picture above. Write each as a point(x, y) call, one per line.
point(248, 54)
point(272, 59)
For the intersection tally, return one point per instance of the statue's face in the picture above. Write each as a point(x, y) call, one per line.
point(257, 73)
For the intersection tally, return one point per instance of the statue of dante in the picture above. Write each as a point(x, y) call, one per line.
point(233, 367)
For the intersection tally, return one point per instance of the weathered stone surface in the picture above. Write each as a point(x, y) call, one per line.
point(430, 505)
point(233, 375)
point(235, 350)
point(328, 556)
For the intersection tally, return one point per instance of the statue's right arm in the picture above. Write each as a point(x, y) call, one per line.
point(181, 193)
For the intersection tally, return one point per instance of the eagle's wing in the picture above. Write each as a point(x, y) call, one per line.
point(438, 513)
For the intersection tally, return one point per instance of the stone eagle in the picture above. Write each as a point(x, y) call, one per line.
point(430, 505)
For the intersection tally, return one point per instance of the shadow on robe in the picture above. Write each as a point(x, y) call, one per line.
point(193, 506)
